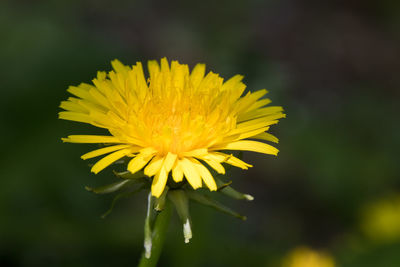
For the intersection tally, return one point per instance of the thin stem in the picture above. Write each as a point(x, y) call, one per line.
point(159, 234)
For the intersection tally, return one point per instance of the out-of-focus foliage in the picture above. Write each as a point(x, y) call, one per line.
point(332, 64)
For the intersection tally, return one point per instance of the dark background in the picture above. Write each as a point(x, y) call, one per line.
point(333, 65)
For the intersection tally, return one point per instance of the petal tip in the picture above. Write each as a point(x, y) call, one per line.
point(213, 188)
point(248, 197)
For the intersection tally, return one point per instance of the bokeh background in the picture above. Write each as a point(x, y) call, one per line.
point(333, 191)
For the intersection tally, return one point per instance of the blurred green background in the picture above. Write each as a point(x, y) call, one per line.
point(333, 65)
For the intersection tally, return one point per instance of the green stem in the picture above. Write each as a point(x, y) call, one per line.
point(159, 234)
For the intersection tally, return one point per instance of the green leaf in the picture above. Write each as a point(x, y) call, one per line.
point(119, 196)
point(208, 201)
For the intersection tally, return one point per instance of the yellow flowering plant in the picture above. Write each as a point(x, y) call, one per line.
point(380, 220)
point(171, 130)
point(307, 257)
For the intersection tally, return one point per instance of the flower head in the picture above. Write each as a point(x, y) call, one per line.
point(381, 219)
point(306, 257)
point(175, 121)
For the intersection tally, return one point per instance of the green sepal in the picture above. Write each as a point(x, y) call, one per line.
point(159, 202)
point(159, 230)
point(227, 190)
point(208, 201)
point(129, 175)
point(221, 185)
point(119, 196)
point(150, 218)
point(181, 202)
point(110, 188)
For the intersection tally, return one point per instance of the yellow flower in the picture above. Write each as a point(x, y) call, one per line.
point(381, 219)
point(305, 257)
point(174, 121)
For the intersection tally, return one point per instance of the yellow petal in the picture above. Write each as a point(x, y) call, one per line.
point(154, 68)
point(205, 175)
point(252, 125)
point(196, 153)
point(179, 74)
point(216, 166)
point(101, 75)
point(232, 82)
point(74, 116)
point(258, 104)
point(251, 133)
point(262, 112)
point(197, 75)
point(154, 166)
point(102, 151)
point(137, 163)
point(107, 160)
point(250, 146)
point(258, 94)
point(73, 106)
point(139, 81)
point(191, 173)
point(81, 91)
point(267, 137)
point(214, 161)
point(164, 65)
point(99, 97)
point(219, 157)
point(92, 107)
point(247, 101)
point(91, 139)
point(177, 172)
point(159, 182)
point(237, 162)
point(169, 161)
point(119, 67)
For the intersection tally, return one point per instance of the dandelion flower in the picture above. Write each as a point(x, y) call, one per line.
point(381, 219)
point(306, 257)
point(174, 122)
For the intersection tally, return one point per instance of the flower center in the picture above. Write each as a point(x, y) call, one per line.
point(180, 119)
